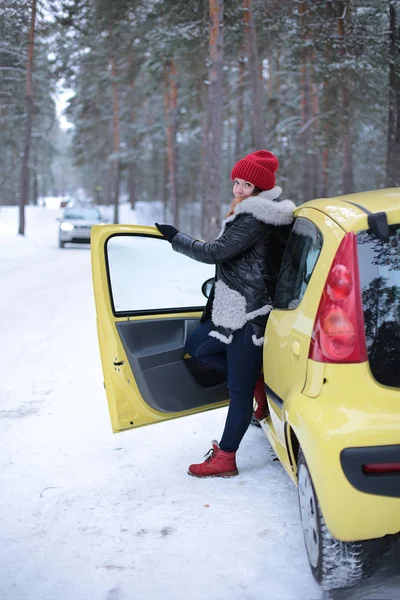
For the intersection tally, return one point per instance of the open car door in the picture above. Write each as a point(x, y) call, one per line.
point(148, 301)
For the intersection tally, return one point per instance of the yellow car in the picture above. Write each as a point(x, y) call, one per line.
point(331, 361)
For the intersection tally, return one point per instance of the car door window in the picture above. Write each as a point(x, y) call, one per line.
point(300, 257)
point(146, 275)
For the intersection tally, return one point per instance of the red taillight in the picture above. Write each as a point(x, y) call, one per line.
point(393, 467)
point(340, 282)
point(338, 335)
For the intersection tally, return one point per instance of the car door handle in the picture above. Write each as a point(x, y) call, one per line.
point(296, 348)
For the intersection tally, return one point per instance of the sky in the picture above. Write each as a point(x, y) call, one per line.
point(88, 514)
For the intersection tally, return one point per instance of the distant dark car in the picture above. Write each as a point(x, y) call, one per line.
point(76, 224)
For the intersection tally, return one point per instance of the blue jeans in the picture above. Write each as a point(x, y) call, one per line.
point(241, 360)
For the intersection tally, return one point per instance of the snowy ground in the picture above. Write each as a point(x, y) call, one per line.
point(86, 514)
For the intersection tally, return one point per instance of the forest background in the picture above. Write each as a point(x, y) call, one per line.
point(167, 95)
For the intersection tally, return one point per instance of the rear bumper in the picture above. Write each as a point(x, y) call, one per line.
point(380, 484)
point(352, 422)
point(356, 506)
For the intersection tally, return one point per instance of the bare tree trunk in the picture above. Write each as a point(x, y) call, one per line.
point(212, 184)
point(316, 126)
point(347, 134)
point(330, 101)
point(97, 192)
point(277, 76)
point(308, 174)
point(35, 190)
point(13, 192)
point(393, 141)
point(347, 138)
point(132, 185)
point(270, 83)
point(117, 180)
point(203, 110)
point(257, 123)
point(170, 101)
point(62, 191)
point(165, 185)
point(132, 166)
point(325, 171)
point(228, 130)
point(272, 115)
point(108, 175)
point(239, 145)
point(24, 194)
point(273, 93)
point(116, 162)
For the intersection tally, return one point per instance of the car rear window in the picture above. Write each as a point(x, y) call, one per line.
point(380, 285)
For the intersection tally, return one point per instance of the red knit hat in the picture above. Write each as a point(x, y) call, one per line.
point(257, 168)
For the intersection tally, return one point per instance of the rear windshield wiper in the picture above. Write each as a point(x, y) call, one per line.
point(377, 222)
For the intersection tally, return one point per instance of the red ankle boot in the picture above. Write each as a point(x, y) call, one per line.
point(259, 393)
point(217, 464)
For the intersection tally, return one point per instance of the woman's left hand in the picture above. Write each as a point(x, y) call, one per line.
point(168, 231)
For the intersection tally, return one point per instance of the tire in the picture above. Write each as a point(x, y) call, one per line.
point(61, 244)
point(334, 564)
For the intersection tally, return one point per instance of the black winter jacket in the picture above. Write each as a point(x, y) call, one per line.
point(247, 254)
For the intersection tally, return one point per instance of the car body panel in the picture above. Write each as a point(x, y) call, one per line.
point(282, 450)
point(344, 210)
point(351, 411)
point(340, 406)
point(290, 330)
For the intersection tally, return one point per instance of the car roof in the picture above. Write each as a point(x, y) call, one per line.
point(351, 211)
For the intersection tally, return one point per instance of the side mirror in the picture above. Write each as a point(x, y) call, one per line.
point(207, 287)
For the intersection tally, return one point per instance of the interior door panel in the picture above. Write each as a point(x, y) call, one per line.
point(155, 349)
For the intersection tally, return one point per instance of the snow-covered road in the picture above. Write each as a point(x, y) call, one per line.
point(88, 515)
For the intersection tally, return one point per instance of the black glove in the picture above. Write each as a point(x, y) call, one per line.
point(168, 231)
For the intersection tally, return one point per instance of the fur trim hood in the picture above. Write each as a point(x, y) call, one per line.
point(266, 208)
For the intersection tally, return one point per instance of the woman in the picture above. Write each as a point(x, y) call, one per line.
point(247, 255)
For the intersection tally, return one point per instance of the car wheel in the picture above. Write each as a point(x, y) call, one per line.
point(333, 563)
point(61, 244)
